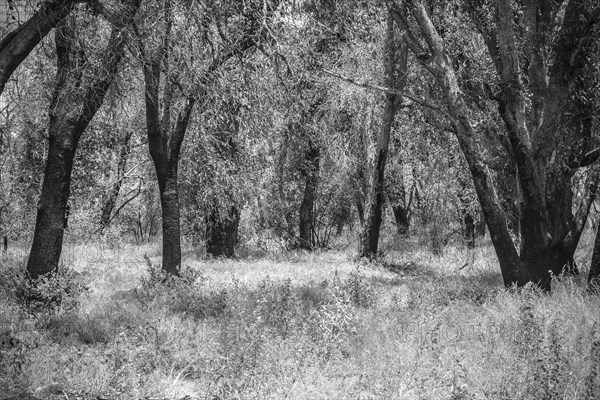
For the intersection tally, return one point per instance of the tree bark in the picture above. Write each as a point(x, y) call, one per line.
point(171, 229)
point(469, 229)
point(400, 208)
point(2, 232)
point(401, 215)
point(222, 233)
point(72, 109)
point(111, 199)
point(594, 274)
point(396, 66)
point(307, 219)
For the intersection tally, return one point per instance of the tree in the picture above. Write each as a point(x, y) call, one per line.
point(223, 220)
point(110, 200)
point(176, 73)
point(396, 73)
point(539, 137)
point(79, 92)
point(17, 44)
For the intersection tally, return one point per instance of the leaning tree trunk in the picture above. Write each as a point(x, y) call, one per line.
point(72, 109)
point(17, 45)
point(111, 199)
point(396, 72)
point(440, 65)
point(52, 217)
point(307, 218)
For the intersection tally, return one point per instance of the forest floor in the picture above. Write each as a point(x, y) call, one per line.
point(294, 325)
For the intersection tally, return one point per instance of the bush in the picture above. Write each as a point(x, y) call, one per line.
point(184, 294)
point(56, 292)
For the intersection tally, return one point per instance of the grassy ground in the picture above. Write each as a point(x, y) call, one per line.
point(296, 326)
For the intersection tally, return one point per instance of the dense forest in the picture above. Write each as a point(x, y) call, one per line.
point(290, 122)
point(309, 128)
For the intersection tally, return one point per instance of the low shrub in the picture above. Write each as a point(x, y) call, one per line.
point(184, 294)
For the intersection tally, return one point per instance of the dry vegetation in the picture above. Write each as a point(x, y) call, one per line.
point(288, 325)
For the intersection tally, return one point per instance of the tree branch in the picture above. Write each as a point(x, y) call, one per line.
point(586, 160)
point(387, 90)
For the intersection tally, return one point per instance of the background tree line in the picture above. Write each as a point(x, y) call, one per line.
point(297, 121)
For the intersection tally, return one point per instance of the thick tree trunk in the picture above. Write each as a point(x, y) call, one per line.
point(113, 195)
point(17, 45)
point(71, 112)
point(307, 219)
point(401, 215)
point(52, 207)
point(222, 233)
point(396, 73)
point(171, 241)
point(165, 155)
point(533, 108)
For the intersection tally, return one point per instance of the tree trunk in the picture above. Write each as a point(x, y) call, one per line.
point(4, 250)
point(71, 112)
point(52, 207)
point(360, 209)
point(439, 64)
point(111, 199)
point(17, 45)
point(396, 71)
point(401, 210)
point(171, 241)
point(480, 225)
point(469, 229)
point(594, 275)
point(307, 219)
point(222, 233)
point(401, 216)
point(164, 144)
point(2, 233)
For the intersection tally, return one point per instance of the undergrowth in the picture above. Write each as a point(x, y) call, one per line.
point(442, 336)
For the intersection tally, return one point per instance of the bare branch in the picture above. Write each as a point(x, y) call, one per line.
point(387, 90)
